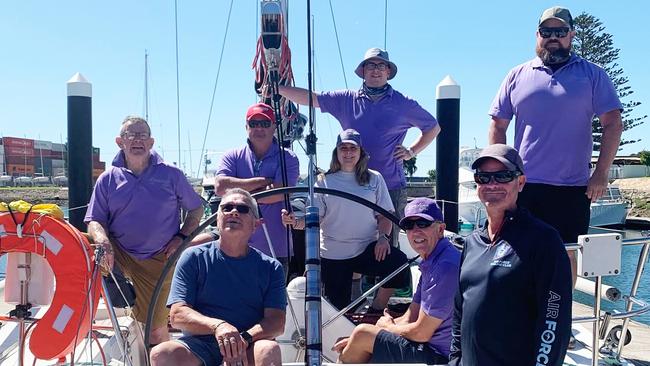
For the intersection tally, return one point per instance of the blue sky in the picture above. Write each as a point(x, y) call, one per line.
point(45, 43)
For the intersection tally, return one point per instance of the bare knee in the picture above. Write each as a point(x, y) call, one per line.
point(267, 352)
point(172, 353)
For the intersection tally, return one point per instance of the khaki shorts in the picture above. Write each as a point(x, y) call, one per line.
point(144, 273)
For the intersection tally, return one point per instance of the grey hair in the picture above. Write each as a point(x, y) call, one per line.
point(130, 120)
point(247, 197)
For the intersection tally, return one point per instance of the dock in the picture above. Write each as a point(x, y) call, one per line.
point(635, 352)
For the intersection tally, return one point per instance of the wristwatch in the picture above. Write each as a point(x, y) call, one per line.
point(247, 337)
point(385, 236)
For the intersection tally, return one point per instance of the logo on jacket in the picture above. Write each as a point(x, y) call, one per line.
point(503, 250)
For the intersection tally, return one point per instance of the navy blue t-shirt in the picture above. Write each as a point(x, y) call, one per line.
point(236, 290)
point(513, 305)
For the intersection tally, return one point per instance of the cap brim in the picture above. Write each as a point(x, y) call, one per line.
point(419, 215)
point(500, 159)
point(348, 142)
point(264, 116)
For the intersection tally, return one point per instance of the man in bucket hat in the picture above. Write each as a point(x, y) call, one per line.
point(382, 115)
point(423, 333)
point(554, 98)
point(515, 275)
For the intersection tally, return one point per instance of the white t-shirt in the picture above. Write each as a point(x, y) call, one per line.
point(348, 227)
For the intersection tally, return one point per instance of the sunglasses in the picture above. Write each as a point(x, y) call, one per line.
point(559, 32)
point(502, 176)
point(420, 223)
point(371, 66)
point(254, 123)
point(228, 207)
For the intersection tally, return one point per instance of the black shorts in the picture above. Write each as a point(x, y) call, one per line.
point(566, 208)
point(391, 348)
point(337, 273)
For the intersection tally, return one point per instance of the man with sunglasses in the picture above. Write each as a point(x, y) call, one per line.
point(554, 98)
point(382, 115)
point(513, 306)
point(134, 213)
point(255, 167)
point(423, 333)
point(227, 298)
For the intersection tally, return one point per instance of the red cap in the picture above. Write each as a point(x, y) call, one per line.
point(260, 110)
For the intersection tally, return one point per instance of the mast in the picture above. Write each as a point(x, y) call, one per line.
point(146, 85)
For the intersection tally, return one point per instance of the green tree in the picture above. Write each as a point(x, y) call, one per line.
point(432, 175)
point(644, 155)
point(409, 167)
point(594, 44)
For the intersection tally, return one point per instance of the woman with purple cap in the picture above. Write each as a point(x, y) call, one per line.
point(354, 238)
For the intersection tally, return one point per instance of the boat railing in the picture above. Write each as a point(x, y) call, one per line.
point(601, 321)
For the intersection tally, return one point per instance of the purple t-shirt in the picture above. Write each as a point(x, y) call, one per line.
point(436, 290)
point(242, 163)
point(553, 117)
point(142, 213)
point(382, 125)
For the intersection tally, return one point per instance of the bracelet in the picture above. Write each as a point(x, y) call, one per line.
point(218, 325)
point(385, 236)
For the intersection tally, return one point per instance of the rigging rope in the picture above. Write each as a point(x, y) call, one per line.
point(214, 90)
point(338, 44)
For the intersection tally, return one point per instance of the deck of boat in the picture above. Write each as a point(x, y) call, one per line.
point(635, 352)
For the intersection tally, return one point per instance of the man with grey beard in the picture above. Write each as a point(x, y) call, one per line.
point(554, 98)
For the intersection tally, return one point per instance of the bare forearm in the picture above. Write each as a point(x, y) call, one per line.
point(268, 328)
point(223, 183)
point(610, 142)
point(271, 199)
point(425, 140)
point(190, 321)
point(192, 220)
point(384, 225)
point(298, 95)
point(409, 331)
point(97, 232)
point(497, 131)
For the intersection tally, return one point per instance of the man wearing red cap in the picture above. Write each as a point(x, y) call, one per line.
point(255, 167)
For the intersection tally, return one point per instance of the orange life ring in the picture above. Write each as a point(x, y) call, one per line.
point(70, 256)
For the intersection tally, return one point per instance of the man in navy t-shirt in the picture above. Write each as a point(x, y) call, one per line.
point(227, 297)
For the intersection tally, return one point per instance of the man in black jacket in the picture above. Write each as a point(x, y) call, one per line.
point(513, 305)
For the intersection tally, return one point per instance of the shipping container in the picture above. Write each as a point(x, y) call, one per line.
point(19, 151)
point(44, 145)
point(58, 171)
point(99, 165)
point(18, 142)
point(2, 149)
point(58, 147)
point(58, 163)
point(20, 170)
point(43, 166)
point(19, 160)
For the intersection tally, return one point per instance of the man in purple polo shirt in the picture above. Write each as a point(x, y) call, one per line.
point(423, 333)
point(382, 115)
point(255, 167)
point(134, 213)
point(554, 98)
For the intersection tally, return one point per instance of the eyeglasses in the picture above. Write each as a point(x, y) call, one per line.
point(420, 223)
point(502, 176)
point(254, 123)
point(228, 207)
point(559, 32)
point(136, 135)
point(371, 66)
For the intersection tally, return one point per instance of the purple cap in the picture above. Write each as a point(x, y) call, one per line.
point(422, 207)
point(350, 136)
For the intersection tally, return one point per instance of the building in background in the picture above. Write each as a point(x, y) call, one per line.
point(43, 161)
